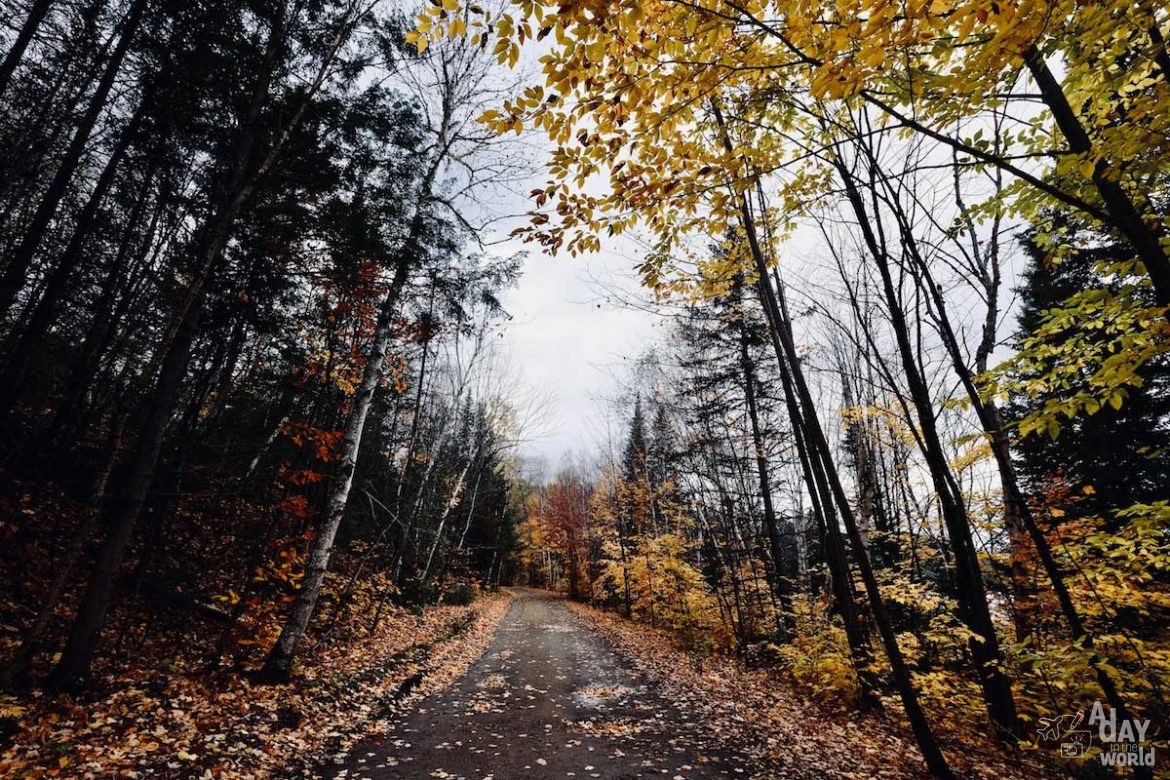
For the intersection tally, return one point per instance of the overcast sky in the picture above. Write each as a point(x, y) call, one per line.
point(570, 341)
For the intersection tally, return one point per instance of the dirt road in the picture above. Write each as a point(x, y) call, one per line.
point(547, 700)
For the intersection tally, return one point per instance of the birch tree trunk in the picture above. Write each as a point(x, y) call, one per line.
point(280, 659)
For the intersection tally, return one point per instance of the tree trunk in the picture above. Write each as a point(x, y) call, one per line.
point(73, 668)
point(36, 15)
point(280, 659)
point(780, 586)
point(931, 752)
point(972, 596)
point(72, 671)
point(29, 340)
point(16, 668)
point(411, 444)
point(1127, 219)
point(1016, 509)
point(14, 274)
point(108, 312)
point(459, 482)
point(780, 326)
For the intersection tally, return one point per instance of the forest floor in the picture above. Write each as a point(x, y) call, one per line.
point(170, 723)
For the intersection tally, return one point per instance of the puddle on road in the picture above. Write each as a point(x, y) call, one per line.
point(558, 628)
point(597, 697)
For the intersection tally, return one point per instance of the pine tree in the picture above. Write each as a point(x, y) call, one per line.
point(1123, 454)
point(634, 457)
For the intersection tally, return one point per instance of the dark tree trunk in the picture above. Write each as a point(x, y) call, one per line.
point(780, 556)
point(108, 312)
point(14, 275)
point(17, 667)
point(972, 596)
point(1017, 514)
point(36, 15)
point(919, 725)
point(29, 340)
point(780, 327)
point(123, 509)
point(1127, 219)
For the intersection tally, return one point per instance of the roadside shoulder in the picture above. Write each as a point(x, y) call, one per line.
point(760, 712)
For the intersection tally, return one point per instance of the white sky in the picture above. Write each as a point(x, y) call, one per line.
point(570, 343)
point(567, 342)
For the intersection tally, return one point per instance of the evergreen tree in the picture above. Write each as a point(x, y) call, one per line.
point(634, 457)
point(1123, 454)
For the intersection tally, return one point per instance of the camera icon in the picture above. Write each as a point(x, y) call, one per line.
point(1075, 744)
point(1074, 741)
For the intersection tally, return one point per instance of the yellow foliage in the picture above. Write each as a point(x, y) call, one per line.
point(664, 589)
point(1086, 354)
point(818, 656)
